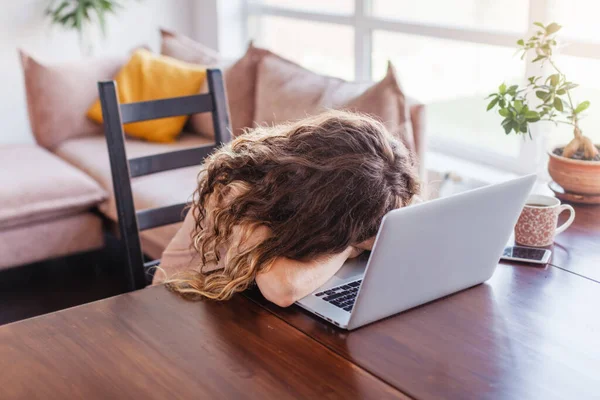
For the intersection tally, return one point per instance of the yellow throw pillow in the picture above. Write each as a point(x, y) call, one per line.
point(149, 76)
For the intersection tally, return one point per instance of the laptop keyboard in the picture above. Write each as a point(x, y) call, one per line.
point(342, 296)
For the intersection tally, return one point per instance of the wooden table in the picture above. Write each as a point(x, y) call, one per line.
point(153, 345)
point(578, 248)
point(529, 332)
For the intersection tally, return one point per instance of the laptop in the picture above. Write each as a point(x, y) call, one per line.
point(422, 253)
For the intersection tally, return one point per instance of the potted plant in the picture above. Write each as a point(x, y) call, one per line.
point(81, 15)
point(576, 165)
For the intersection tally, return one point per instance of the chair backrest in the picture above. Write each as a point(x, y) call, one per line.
point(123, 169)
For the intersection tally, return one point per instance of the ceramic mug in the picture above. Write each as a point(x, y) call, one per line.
point(536, 226)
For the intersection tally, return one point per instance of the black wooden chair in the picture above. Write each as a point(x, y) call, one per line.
point(139, 274)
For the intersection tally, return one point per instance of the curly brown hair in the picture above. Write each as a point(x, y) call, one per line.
point(319, 185)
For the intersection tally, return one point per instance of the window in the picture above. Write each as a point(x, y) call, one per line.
point(328, 6)
point(505, 15)
point(326, 48)
point(452, 78)
point(448, 54)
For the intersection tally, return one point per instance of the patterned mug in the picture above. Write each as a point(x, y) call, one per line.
point(536, 226)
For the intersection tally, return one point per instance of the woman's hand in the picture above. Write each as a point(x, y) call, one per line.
point(366, 244)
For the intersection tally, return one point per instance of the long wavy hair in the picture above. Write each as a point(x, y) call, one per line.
point(319, 185)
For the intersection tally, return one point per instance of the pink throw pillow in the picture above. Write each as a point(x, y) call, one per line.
point(286, 91)
point(59, 95)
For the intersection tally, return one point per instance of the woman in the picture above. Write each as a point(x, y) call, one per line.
point(286, 206)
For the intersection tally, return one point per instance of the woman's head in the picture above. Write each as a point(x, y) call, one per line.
point(319, 185)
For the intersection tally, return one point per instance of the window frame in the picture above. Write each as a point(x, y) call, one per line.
point(532, 153)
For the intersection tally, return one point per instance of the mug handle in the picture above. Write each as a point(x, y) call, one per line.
point(568, 222)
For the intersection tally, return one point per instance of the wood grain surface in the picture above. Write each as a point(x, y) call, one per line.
point(528, 333)
point(578, 248)
point(151, 344)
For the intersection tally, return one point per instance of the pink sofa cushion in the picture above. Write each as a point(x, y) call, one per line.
point(59, 95)
point(59, 237)
point(38, 186)
point(286, 91)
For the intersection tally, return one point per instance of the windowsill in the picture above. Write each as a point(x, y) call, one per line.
point(455, 175)
point(443, 163)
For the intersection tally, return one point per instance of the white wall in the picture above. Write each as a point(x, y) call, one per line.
point(23, 25)
point(221, 25)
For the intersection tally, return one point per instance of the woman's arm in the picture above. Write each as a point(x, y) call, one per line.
point(290, 280)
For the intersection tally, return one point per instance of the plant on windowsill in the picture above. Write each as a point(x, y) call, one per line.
point(575, 166)
point(81, 15)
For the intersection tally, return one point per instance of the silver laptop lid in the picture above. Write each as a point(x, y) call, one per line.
point(433, 249)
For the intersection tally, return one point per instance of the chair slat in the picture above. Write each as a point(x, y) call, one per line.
point(220, 114)
point(163, 162)
point(115, 115)
point(155, 109)
point(115, 140)
point(153, 217)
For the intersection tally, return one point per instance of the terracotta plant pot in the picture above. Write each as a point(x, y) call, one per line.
point(575, 176)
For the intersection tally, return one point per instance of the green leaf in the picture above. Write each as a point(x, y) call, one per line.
point(504, 112)
point(560, 92)
point(79, 19)
point(581, 107)
point(515, 126)
point(558, 104)
point(502, 88)
point(507, 127)
point(61, 7)
point(518, 104)
point(532, 116)
point(538, 58)
point(546, 49)
point(520, 42)
point(512, 90)
point(100, 11)
point(552, 28)
point(542, 95)
point(523, 127)
point(554, 79)
point(492, 104)
point(539, 24)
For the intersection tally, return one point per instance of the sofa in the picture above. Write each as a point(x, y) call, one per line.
point(46, 207)
point(262, 88)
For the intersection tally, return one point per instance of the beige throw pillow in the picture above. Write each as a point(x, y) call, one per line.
point(240, 79)
point(185, 49)
point(59, 95)
point(240, 85)
point(286, 91)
